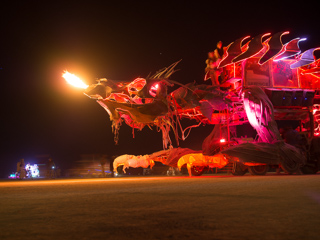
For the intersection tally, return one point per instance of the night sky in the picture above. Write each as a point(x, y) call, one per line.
point(41, 114)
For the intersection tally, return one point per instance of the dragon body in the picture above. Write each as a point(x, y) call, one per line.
point(261, 82)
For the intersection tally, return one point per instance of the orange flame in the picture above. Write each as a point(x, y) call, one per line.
point(74, 80)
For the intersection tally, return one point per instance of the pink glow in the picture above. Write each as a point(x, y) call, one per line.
point(227, 53)
point(155, 87)
point(153, 90)
point(263, 48)
point(289, 47)
point(268, 47)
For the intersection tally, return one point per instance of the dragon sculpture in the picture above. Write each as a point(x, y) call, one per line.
point(260, 76)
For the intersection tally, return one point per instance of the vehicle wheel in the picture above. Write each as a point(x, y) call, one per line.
point(197, 170)
point(238, 169)
point(258, 170)
point(310, 168)
point(293, 168)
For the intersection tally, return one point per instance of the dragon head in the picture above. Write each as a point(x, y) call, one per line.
point(146, 102)
point(142, 102)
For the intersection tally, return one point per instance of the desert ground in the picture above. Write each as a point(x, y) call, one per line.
point(217, 206)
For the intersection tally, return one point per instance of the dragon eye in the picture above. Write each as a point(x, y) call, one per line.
point(155, 87)
point(133, 89)
point(153, 90)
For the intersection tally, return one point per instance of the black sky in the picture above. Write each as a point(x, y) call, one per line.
point(119, 40)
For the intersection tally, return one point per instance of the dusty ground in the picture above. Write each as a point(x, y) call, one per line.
point(209, 207)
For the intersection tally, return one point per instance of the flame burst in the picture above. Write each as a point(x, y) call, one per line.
point(74, 80)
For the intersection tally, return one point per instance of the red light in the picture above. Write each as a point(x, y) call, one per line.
point(222, 140)
point(153, 90)
point(155, 87)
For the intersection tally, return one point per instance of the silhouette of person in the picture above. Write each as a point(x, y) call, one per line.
point(50, 168)
point(212, 62)
point(21, 169)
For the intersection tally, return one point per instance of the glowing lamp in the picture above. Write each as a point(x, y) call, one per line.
point(74, 80)
point(222, 140)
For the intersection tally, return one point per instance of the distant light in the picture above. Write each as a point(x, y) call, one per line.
point(222, 140)
point(32, 170)
point(74, 80)
point(13, 175)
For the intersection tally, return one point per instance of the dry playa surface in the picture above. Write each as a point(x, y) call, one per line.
point(209, 207)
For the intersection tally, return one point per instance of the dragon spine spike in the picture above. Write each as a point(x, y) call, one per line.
point(166, 72)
